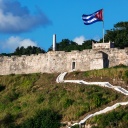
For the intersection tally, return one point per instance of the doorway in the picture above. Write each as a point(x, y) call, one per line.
point(73, 65)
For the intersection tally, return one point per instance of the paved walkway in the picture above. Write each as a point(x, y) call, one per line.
point(60, 79)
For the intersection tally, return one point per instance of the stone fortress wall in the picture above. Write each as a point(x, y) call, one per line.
point(60, 61)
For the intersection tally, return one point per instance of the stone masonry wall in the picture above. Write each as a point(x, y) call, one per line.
point(60, 61)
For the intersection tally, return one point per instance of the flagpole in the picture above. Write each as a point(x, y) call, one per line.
point(103, 31)
point(103, 26)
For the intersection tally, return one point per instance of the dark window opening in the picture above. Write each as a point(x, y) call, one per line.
point(73, 65)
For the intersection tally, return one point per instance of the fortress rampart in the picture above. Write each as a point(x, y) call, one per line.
point(60, 61)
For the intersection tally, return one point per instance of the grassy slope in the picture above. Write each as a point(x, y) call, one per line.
point(23, 95)
point(117, 118)
point(116, 76)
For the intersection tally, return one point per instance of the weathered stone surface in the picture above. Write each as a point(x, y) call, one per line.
point(60, 61)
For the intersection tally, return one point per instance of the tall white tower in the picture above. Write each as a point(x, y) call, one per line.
point(54, 42)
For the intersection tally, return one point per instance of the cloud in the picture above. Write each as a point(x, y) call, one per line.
point(17, 19)
point(79, 40)
point(96, 38)
point(13, 42)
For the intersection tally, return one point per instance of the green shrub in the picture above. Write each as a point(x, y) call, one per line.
point(86, 74)
point(43, 119)
point(81, 89)
point(2, 107)
point(11, 96)
point(120, 66)
point(13, 74)
point(2, 88)
point(40, 99)
point(67, 103)
point(17, 108)
point(24, 105)
point(87, 107)
point(76, 72)
point(112, 119)
point(126, 74)
point(81, 111)
point(7, 121)
point(125, 118)
point(75, 126)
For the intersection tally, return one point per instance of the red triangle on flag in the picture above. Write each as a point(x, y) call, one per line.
point(99, 15)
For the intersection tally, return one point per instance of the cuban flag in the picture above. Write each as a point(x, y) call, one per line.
point(92, 18)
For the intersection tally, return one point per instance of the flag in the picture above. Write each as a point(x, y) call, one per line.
point(92, 18)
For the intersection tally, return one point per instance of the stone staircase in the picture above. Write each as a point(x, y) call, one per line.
point(60, 79)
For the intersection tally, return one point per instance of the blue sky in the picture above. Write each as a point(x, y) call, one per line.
point(33, 22)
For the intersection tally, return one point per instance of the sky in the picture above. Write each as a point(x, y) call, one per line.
point(33, 22)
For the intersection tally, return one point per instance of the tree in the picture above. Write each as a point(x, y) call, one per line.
point(28, 51)
point(68, 45)
point(87, 44)
point(118, 35)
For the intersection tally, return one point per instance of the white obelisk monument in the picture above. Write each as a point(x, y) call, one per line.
point(54, 42)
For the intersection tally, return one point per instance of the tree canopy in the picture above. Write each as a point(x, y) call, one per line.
point(68, 45)
point(28, 51)
point(118, 35)
point(25, 51)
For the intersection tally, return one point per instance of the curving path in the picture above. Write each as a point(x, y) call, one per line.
point(60, 79)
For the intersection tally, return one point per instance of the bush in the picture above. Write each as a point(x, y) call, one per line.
point(2, 88)
point(75, 126)
point(126, 74)
point(7, 122)
point(11, 96)
point(120, 66)
point(40, 99)
point(86, 74)
point(125, 118)
point(43, 119)
point(76, 72)
point(112, 119)
point(68, 102)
